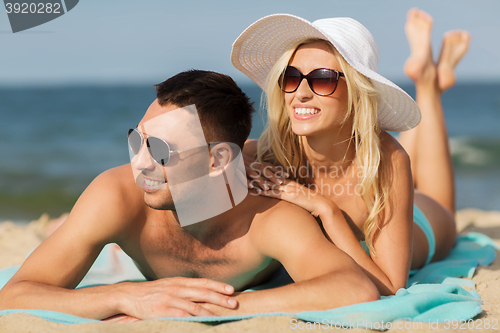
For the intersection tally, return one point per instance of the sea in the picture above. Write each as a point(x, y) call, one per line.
point(55, 140)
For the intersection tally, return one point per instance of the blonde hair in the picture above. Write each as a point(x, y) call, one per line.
point(279, 145)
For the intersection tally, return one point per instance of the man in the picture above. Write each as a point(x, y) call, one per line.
point(193, 269)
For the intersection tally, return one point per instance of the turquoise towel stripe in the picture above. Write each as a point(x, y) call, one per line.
point(434, 294)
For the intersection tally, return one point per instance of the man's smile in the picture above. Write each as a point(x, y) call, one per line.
point(150, 185)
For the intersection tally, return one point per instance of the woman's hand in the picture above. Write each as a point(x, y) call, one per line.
point(308, 198)
point(334, 224)
point(263, 175)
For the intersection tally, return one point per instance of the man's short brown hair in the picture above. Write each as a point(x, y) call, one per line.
point(225, 111)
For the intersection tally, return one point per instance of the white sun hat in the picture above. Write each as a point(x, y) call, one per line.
point(258, 48)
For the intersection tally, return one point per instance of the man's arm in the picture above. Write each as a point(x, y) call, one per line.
point(325, 277)
point(48, 276)
point(104, 213)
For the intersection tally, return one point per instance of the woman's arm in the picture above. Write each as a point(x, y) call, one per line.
point(388, 268)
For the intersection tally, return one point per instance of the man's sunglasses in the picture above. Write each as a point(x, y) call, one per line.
point(158, 148)
point(322, 81)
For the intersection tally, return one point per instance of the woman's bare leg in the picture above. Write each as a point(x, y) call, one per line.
point(455, 45)
point(427, 144)
point(418, 65)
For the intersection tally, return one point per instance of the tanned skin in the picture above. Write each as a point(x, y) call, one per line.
point(193, 270)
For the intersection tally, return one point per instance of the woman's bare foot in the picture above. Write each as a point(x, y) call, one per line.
point(455, 45)
point(420, 65)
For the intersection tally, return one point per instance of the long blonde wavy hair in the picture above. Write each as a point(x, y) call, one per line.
point(281, 146)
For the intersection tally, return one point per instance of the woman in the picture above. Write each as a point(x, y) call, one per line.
point(328, 113)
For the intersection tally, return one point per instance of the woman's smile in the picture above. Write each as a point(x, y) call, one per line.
point(305, 112)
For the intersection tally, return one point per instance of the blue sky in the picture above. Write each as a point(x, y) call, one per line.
point(128, 42)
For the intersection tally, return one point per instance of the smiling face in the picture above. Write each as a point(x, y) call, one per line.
point(178, 128)
point(311, 114)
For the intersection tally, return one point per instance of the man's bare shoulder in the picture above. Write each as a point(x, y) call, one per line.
point(279, 212)
point(111, 201)
point(100, 216)
point(278, 220)
point(117, 183)
point(291, 235)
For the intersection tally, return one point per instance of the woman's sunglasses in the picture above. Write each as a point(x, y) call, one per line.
point(158, 148)
point(322, 81)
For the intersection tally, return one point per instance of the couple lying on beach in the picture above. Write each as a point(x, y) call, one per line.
point(343, 238)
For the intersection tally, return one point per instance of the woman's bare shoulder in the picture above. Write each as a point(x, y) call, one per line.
point(250, 147)
point(392, 150)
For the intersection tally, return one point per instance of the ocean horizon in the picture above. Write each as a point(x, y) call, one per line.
point(57, 139)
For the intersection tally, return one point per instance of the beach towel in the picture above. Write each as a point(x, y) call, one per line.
point(440, 292)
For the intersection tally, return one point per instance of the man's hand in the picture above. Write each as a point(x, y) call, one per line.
point(174, 297)
point(218, 310)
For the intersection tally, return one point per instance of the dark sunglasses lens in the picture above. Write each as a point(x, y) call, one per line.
point(290, 79)
point(159, 150)
point(134, 141)
point(323, 81)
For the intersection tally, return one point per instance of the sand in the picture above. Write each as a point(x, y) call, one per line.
point(16, 241)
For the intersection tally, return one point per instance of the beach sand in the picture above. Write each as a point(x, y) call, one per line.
point(16, 241)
